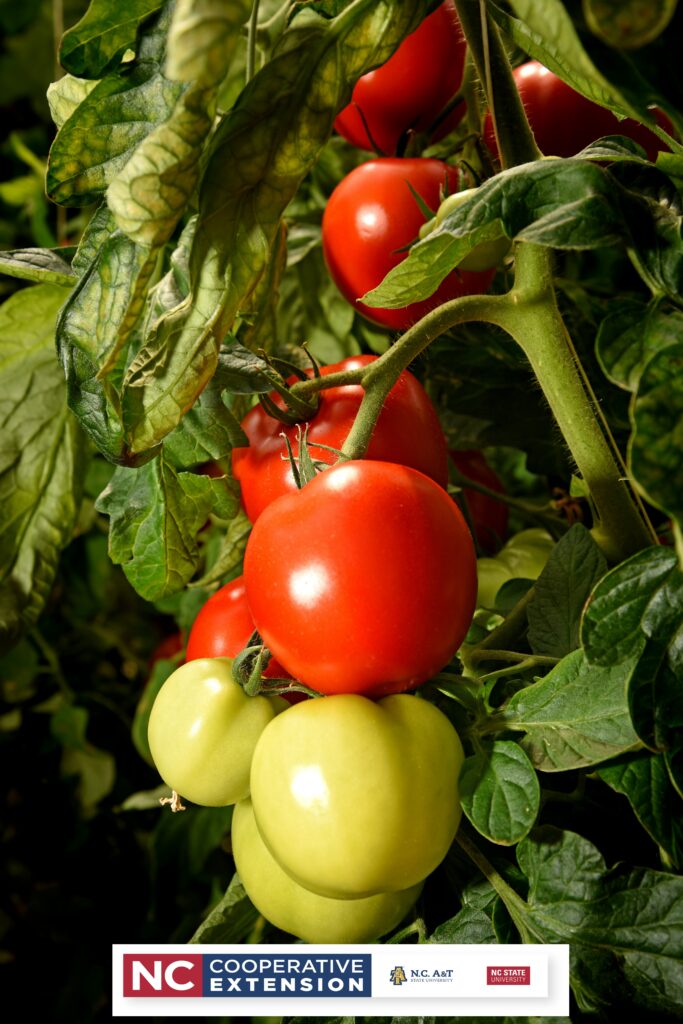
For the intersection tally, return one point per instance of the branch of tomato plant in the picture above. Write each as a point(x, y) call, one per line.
point(537, 514)
point(514, 904)
point(251, 40)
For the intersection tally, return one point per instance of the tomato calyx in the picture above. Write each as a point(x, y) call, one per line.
point(296, 409)
point(250, 664)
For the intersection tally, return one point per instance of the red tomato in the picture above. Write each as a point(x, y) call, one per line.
point(564, 122)
point(408, 431)
point(371, 216)
point(364, 581)
point(166, 649)
point(489, 517)
point(411, 89)
point(223, 626)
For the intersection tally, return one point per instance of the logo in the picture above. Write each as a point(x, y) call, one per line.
point(162, 974)
point(508, 975)
point(397, 976)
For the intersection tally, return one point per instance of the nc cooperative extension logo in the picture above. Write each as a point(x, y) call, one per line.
point(244, 975)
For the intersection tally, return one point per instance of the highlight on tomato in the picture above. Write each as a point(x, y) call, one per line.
point(372, 218)
point(364, 581)
point(411, 89)
point(407, 432)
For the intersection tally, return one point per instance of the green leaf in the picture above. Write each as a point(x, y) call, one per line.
point(98, 41)
point(42, 457)
point(655, 453)
point(68, 725)
point(258, 156)
point(228, 564)
point(644, 780)
point(96, 771)
point(231, 920)
point(578, 715)
point(156, 515)
point(149, 195)
point(574, 567)
point(624, 925)
point(64, 95)
point(631, 335)
point(95, 143)
point(469, 926)
point(209, 431)
point(500, 793)
point(565, 204)
point(202, 39)
point(40, 265)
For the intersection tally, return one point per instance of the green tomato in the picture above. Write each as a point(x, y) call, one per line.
point(203, 729)
point(526, 554)
point(483, 256)
point(296, 910)
point(353, 797)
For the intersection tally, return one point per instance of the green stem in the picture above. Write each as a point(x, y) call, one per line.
point(515, 905)
point(52, 659)
point(527, 660)
point(503, 636)
point(251, 41)
point(536, 514)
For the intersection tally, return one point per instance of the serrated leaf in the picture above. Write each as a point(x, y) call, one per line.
point(655, 451)
point(228, 564)
point(554, 615)
point(202, 39)
point(631, 335)
point(107, 29)
point(625, 925)
point(577, 715)
point(644, 780)
point(64, 95)
point(40, 265)
point(231, 920)
point(469, 926)
point(258, 156)
point(149, 195)
point(93, 146)
point(156, 514)
point(42, 457)
point(500, 793)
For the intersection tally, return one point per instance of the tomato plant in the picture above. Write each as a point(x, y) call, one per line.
point(408, 432)
point(370, 219)
point(410, 90)
point(489, 517)
point(203, 730)
point(303, 913)
point(363, 581)
point(564, 122)
point(325, 826)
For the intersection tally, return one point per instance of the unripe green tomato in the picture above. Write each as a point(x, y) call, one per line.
point(296, 910)
point(354, 797)
point(526, 554)
point(203, 729)
point(483, 256)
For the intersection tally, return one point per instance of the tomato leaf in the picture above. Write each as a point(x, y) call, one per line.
point(644, 780)
point(469, 925)
point(231, 920)
point(64, 95)
point(635, 613)
point(156, 515)
point(42, 457)
point(46, 266)
point(202, 39)
point(624, 924)
point(577, 715)
point(257, 158)
point(98, 41)
point(228, 563)
point(631, 335)
point(574, 567)
point(97, 140)
point(500, 793)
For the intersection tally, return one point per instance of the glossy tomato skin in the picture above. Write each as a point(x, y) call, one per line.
point(297, 910)
point(364, 581)
point(411, 89)
point(563, 121)
point(203, 729)
point(407, 431)
point(489, 517)
point(367, 796)
point(371, 216)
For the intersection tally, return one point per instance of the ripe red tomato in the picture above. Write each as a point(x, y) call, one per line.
point(408, 432)
point(564, 122)
point(364, 581)
point(411, 89)
point(166, 649)
point(489, 517)
point(223, 627)
point(371, 217)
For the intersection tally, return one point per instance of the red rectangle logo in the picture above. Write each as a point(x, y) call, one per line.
point(162, 974)
point(508, 975)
